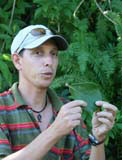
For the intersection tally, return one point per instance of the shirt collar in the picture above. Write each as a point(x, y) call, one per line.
point(19, 101)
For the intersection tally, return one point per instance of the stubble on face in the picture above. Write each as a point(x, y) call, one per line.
point(39, 65)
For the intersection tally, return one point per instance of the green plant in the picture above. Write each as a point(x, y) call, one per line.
point(94, 31)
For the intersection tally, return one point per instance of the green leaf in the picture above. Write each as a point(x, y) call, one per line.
point(5, 37)
point(6, 57)
point(87, 91)
point(119, 125)
point(5, 72)
point(5, 28)
point(37, 13)
point(1, 80)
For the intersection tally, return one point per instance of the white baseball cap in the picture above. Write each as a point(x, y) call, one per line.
point(35, 35)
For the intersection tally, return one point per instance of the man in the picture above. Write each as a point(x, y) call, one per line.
point(34, 123)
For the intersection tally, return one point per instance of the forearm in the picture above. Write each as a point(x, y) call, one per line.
point(38, 148)
point(97, 153)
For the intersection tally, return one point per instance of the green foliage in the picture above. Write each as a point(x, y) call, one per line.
point(89, 92)
point(7, 70)
point(94, 32)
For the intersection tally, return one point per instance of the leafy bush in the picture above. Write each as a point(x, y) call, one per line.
point(94, 31)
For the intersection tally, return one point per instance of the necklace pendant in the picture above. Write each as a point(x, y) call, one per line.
point(39, 117)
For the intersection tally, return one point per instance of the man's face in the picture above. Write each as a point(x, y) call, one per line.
point(39, 65)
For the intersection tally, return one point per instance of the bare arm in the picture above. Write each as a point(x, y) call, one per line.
point(97, 153)
point(38, 148)
point(67, 119)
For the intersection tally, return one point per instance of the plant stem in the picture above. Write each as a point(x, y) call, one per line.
point(10, 22)
point(104, 13)
point(74, 14)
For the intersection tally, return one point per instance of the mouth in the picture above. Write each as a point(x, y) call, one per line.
point(47, 74)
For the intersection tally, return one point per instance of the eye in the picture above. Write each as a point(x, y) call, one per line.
point(54, 53)
point(38, 53)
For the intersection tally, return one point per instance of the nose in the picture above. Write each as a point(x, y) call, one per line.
point(48, 61)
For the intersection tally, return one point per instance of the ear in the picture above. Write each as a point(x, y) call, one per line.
point(17, 61)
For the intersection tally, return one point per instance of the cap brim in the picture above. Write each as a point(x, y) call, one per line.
point(61, 43)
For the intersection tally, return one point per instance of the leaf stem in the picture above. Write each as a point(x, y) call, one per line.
point(67, 85)
point(109, 2)
point(12, 13)
point(104, 13)
point(74, 14)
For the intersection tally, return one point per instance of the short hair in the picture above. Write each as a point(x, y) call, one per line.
point(21, 52)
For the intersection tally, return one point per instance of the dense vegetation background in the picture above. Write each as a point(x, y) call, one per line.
point(92, 66)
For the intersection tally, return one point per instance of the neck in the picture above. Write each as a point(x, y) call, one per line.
point(33, 96)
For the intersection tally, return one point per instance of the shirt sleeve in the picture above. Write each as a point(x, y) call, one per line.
point(5, 145)
point(82, 148)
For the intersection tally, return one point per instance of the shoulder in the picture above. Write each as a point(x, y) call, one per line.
point(5, 99)
point(5, 93)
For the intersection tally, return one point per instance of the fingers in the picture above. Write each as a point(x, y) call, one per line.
point(107, 115)
point(69, 117)
point(104, 120)
point(75, 103)
point(75, 123)
point(100, 132)
point(107, 106)
point(74, 117)
point(73, 120)
point(70, 111)
point(108, 124)
point(71, 108)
